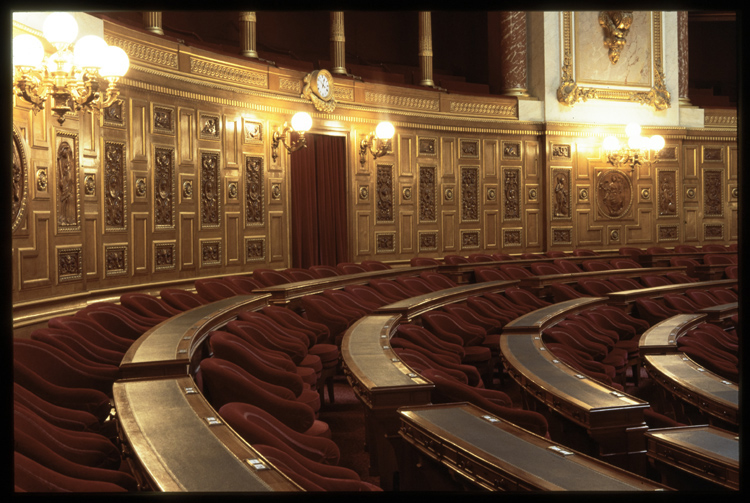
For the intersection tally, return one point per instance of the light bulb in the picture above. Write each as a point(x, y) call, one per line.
point(657, 143)
point(28, 51)
point(60, 28)
point(385, 130)
point(116, 62)
point(611, 144)
point(90, 52)
point(633, 129)
point(301, 122)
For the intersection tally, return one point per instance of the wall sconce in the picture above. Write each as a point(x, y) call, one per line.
point(379, 142)
point(72, 76)
point(638, 150)
point(301, 123)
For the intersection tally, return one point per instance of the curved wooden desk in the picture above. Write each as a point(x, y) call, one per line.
point(488, 453)
point(661, 338)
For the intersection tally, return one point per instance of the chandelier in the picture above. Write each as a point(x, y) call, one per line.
point(637, 151)
point(73, 77)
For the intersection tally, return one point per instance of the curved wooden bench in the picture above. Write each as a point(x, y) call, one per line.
point(661, 338)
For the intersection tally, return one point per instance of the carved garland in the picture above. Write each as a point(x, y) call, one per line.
point(254, 189)
point(19, 179)
point(114, 186)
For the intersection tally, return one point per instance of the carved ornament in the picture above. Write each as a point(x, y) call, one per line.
point(616, 25)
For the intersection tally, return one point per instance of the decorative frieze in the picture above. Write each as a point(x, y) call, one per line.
point(252, 131)
point(668, 232)
point(469, 194)
point(145, 53)
point(163, 120)
point(226, 72)
point(255, 197)
point(427, 194)
point(384, 203)
point(114, 186)
point(210, 188)
point(210, 127)
point(391, 100)
point(164, 185)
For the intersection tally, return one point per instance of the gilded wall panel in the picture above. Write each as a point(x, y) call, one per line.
point(210, 187)
point(428, 241)
point(533, 227)
point(491, 158)
point(690, 165)
point(38, 136)
point(211, 251)
point(450, 230)
point(139, 125)
point(209, 128)
point(427, 194)
point(277, 236)
point(406, 233)
point(164, 187)
point(254, 191)
point(734, 233)
point(560, 194)
point(232, 142)
point(186, 136)
point(19, 179)
point(91, 247)
point(255, 250)
point(511, 194)
point(406, 154)
point(233, 238)
point(448, 157)
point(531, 160)
point(643, 230)
point(385, 201)
point(115, 198)
point(713, 193)
point(588, 233)
point(69, 263)
point(68, 208)
point(470, 194)
point(427, 146)
point(512, 238)
point(140, 242)
point(114, 115)
point(668, 193)
point(89, 135)
point(385, 242)
point(115, 260)
point(165, 255)
point(613, 192)
point(491, 229)
point(471, 239)
point(188, 240)
point(363, 233)
point(691, 225)
point(35, 261)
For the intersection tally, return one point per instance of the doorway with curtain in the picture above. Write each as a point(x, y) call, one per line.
point(318, 189)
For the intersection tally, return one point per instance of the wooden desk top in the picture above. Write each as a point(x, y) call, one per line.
point(625, 297)
point(535, 321)
point(662, 337)
point(379, 378)
point(548, 279)
point(694, 384)
point(289, 292)
point(179, 449)
point(716, 314)
point(167, 348)
point(414, 306)
point(706, 451)
point(497, 455)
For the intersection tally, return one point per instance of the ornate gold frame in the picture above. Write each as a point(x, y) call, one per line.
point(569, 93)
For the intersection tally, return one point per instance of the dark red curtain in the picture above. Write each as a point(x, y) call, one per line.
point(319, 228)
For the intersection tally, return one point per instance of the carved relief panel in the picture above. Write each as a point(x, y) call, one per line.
point(66, 174)
point(713, 193)
point(210, 201)
point(511, 193)
point(19, 179)
point(164, 185)
point(427, 194)
point(667, 186)
point(114, 186)
point(254, 183)
point(384, 200)
point(469, 194)
point(614, 193)
point(560, 186)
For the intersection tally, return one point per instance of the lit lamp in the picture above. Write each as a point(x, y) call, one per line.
point(301, 123)
point(378, 143)
point(638, 150)
point(71, 77)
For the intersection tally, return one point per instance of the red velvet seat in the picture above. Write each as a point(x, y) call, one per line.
point(351, 268)
point(483, 274)
point(426, 339)
point(545, 268)
point(657, 250)
point(92, 332)
point(595, 265)
point(631, 251)
point(719, 367)
point(686, 262)
point(596, 287)
point(375, 265)
point(725, 295)
point(624, 283)
point(472, 317)
point(224, 382)
point(299, 274)
point(729, 349)
point(30, 476)
point(703, 298)
point(652, 311)
point(625, 263)
point(625, 331)
point(506, 304)
point(707, 344)
point(62, 417)
point(585, 365)
point(141, 321)
point(502, 256)
point(489, 309)
point(148, 305)
point(213, 289)
point(525, 298)
point(320, 310)
point(367, 294)
point(567, 266)
point(567, 338)
point(532, 256)
point(437, 280)
point(56, 366)
point(294, 347)
point(114, 321)
point(416, 284)
point(291, 319)
point(621, 316)
point(434, 350)
point(36, 449)
point(271, 277)
point(423, 261)
point(652, 281)
point(480, 257)
point(680, 302)
point(243, 284)
point(313, 476)
point(89, 400)
point(421, 361)
point(455, 259)
point(555, 254)
point(713, 248)
point(713, 259)
point(350, 301)
point(515, 271)
point(448, 390)
point(324, 271)
point(562, 292)
point(732, 271)
point(678, 277)
point(392, 289)
point(182, 299)
point(82, 447)
point(256, 426)
point(76, 346)
point(686, 249)
point(439, 322)
point(728, 336)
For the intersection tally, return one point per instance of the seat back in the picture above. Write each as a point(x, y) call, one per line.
point(214, 289)
point(375, 265)
point(455, 259)
point(625, 263)
point(515, 271)
point(713, 259)
point(270, 277)
point(182, 299)
point(657, 250)
point(686, 249)
point(583, 252)
point(439, 281)
point(422, 261)
point(652, 281)
point(243, 284)
point(555, 254)
point(595, 265)
point(416, 284)
point(480, 257)
point(324, 271)
point(148, 305)
point(633, 252)
point(624, 283)
point(437, 321)
point(483, 274)
point(543, 268)
point(350, 268)
point(525, 298)
point(567, 266)
point(501, 256)
point(713, 248)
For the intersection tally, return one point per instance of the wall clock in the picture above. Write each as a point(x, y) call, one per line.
point(319, 89)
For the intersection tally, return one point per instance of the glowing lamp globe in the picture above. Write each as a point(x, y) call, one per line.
point(633, 129)
point(656, 143)
point(60, 28)
point(611, 144)
point(90, 52)
point(301, 121)
point(28, 51)
point(385, 131)
point(116, 62)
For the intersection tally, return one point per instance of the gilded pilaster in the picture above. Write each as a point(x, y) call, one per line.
point(152, 22)
point(425, 48)
point(338, 43)
point(247, 34)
